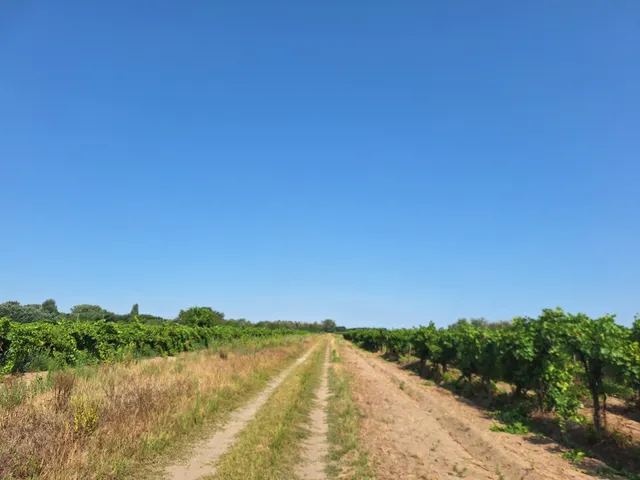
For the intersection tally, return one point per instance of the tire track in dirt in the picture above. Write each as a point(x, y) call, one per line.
point(203, 458)
point(404, 441)
point(316, 446)
point(450, 434)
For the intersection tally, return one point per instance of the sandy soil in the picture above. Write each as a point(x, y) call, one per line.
point(203, 458)
point(416, 432)
point(628, 424)
point(316, 446)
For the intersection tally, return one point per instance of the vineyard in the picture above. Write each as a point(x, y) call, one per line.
point(558, 359)
point(50, 346)
point(567, 386)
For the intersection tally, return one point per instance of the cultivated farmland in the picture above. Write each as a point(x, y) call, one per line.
point(536, 398)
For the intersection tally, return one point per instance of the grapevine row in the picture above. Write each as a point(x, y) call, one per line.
point(79, 342)
point(544, 355)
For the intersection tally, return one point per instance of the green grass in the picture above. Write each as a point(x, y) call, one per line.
point(515, 428)
point(345, 452)
point(574, 455)
point(13, 391)
point(514, 419)
point(270, 445)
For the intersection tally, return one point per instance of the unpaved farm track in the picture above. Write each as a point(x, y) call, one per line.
point(202, 461)
point(316, 446)
point(417, 432)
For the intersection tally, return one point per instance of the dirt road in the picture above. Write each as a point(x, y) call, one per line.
point(412, 431)
point(407, 430)
point(202, 462)
point(316, 447)
point(252, 443)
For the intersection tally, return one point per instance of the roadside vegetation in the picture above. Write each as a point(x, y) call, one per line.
point(113, 420)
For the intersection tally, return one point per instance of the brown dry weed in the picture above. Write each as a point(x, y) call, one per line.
point(112, 421)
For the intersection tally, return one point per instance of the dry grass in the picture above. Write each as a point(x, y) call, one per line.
point(270, 445)
point(109, 421)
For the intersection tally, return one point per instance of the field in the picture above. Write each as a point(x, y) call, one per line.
point(224, 402)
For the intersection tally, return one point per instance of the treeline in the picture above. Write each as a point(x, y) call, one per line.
point(48, 312)
point(545, 355)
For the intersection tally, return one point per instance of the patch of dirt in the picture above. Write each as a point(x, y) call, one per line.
point(618, 418)
point(203, 458)
point(416, 432)
point(316, 446)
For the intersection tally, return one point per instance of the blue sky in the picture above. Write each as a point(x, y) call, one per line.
point(379, 163)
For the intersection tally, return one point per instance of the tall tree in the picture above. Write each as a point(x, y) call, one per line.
point(91, 313)
point(50, 306)
point(329, 325)
point(25, 313)
point(201, 317)
point(135, 310)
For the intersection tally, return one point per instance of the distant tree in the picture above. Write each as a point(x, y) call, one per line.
point(26, 313)
point(50, 306)
point(499, 324)
point(329, 325)
point(201, 317)
point(135, 310)
point(635, 329)
point(482, 322)
point(479, 322)
point(16, 312)
point(150, 319)
point(240, 322)
point(289, 325)
point(91, 313)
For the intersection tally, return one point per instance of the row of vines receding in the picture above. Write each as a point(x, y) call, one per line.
point(44, 346)
point(558, 356)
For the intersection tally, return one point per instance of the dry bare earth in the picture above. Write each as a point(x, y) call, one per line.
point(316, 446)
point(202, 462)
point(417, 432)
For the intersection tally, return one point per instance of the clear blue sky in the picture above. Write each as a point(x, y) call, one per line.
point(379, 163)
